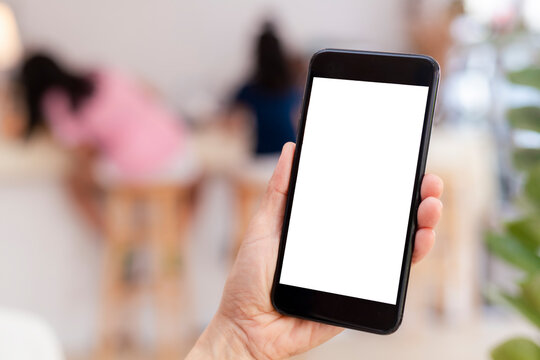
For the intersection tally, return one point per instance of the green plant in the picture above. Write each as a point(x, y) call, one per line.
point(519, 242)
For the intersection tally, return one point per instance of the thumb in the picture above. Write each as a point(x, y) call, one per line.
point(274, 200)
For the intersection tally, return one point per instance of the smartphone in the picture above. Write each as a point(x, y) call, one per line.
point(350, 219)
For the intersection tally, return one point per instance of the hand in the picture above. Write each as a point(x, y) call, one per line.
point(246, 324)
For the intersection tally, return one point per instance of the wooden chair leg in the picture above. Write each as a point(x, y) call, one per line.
point(185, 211)
point(114, 294)
point(167, 265)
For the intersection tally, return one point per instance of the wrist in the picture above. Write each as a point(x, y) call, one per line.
point(221, 340)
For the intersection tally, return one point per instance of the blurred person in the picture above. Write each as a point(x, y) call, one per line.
point(246, 325)
point(117, 132)
point(271, 95)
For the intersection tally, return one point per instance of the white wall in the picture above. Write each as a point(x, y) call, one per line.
point(194, 51)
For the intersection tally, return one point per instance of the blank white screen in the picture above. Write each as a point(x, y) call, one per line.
point(354, 187)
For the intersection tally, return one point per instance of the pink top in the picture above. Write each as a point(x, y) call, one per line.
point(129, 128)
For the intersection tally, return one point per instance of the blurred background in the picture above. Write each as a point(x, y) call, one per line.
point(137, 137)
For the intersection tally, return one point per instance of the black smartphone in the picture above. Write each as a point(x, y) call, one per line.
point(350, 220)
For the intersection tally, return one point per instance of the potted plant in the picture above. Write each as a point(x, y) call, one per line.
point(519, 241)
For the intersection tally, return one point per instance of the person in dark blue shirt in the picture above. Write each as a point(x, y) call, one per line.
point(271, 95)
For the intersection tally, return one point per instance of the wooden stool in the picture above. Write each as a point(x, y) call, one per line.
point(156, 217)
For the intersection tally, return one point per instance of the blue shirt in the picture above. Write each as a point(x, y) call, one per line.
point(273, 113)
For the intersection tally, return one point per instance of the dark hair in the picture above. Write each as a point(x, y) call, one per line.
point(40, 73)
point(272, 68)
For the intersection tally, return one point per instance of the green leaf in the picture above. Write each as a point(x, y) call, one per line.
point(526, 231)
point(525, 159)
point(529, 77)
point(526, 309)
point(532, 186)
point(530, 290)
point(527, 118)
point(511, 250)
point(516, 349)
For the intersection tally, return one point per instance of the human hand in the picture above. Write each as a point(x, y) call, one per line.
point(246, 324)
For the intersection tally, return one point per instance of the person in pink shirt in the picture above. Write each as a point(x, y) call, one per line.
point(117, 130)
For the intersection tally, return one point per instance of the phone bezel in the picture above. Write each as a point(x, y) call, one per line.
point(339, 310)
